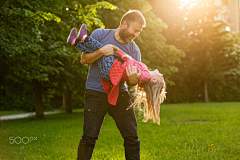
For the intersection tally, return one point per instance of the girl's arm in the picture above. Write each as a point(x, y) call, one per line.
point(126, 56)
point(122, 54)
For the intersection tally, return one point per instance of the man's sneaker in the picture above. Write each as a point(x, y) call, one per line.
point(72, 36)
point(82, 33)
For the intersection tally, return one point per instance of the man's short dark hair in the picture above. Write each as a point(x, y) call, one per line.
point(133, 16)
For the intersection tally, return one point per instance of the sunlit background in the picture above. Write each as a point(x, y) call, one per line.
point(230, 12)
point(187, 1)
point(195, 44)
point(182, 39)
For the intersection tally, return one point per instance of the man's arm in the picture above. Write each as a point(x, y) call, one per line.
point(133, 76)
point(89, 58)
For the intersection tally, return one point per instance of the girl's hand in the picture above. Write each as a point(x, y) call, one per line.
point(133, 76)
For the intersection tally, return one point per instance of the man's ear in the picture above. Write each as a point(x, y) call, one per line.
point(124, 24)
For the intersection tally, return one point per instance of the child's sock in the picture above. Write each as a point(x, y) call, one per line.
point(76, 41)
point(84, 37)
point(73, 41)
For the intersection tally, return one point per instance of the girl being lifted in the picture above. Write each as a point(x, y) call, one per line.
point(151, 86)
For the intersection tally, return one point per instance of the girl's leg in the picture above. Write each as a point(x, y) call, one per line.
point(104, 63)
point(88, 45)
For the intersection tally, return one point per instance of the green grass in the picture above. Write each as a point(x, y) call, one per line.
point(203, 131)
point(3, 113)
point(10, 112)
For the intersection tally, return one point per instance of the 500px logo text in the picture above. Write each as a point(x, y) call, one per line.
point(19, 140)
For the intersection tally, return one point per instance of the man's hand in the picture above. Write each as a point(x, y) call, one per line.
point(133, 76)
point(89, 58)
point(116, 49)
point(108, 50)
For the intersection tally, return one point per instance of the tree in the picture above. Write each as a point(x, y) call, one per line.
point(22, 52)
point(209, 49)
point(75, 74)
point(33, 40)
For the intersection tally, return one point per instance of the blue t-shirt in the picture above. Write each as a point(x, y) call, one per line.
point(106, 36)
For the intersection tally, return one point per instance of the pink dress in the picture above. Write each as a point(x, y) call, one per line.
point(118, 74)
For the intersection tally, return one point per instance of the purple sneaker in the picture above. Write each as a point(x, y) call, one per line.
point(82, 32)
point(72, 36)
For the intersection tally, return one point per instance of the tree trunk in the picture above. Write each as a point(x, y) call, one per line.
point(68, 100)
point(64, 102)
point(38, 99)
point(206, 90)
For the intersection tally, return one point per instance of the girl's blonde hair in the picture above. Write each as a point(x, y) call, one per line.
point(151, 95)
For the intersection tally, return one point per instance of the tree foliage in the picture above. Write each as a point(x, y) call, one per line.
point(210, 50)
point(33, 45)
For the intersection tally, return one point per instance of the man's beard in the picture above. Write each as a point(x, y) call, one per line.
point(125, 36)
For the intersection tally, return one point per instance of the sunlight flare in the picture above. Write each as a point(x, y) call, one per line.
point(187, 1)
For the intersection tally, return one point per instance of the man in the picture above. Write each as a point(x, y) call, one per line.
point(96, 100)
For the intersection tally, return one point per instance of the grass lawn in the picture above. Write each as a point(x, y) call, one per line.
point(10, 112)
point(3, 113)
point(188, 131)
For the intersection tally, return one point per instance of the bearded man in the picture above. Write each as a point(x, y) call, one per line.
point(96, 100)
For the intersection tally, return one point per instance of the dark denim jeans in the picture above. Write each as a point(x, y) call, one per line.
point(96, 107)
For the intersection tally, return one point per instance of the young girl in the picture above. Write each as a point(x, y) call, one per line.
point(151, 86)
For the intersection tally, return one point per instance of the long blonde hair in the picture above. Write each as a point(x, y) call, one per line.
point(151, 95)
